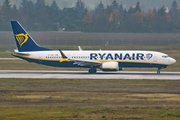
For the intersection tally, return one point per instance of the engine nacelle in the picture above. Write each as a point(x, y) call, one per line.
point(110, 66)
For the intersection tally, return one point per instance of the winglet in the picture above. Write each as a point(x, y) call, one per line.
point(63, 55)
point(80, 49)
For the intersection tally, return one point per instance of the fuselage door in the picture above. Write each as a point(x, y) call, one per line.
point(155, 58)
point(40, 58)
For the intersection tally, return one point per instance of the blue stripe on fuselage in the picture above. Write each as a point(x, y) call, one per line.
point(57, 63)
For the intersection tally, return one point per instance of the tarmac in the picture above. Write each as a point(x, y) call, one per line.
point(85, 75)
point(10, 59)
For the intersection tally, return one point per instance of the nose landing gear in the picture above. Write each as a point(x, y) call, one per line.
point(159, 68)
point(158, 72)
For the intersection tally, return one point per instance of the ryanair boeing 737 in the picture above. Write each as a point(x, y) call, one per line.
point(109, 60)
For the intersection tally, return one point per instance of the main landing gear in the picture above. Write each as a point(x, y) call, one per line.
point(92, 71)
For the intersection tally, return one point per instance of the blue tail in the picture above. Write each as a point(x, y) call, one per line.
point(24, 41)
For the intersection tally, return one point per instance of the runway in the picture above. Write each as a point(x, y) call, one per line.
point(85, 75)
point(10, 59)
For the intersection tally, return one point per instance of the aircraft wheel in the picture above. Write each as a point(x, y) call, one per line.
point(158, 72)
point(92, 71)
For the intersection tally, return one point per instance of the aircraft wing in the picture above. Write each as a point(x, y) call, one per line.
point(79, 61)
point(86, 62)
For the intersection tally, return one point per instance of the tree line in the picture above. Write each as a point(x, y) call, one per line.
point(111, 18)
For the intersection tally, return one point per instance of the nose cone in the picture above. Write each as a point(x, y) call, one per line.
point(172, 61)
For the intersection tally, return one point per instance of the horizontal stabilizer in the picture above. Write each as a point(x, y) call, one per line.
point(17, 53)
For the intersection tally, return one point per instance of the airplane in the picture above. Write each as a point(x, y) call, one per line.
point(106, 60)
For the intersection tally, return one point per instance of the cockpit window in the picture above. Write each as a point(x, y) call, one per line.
point(165, 56)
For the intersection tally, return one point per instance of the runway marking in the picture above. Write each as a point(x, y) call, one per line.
point(86, 75)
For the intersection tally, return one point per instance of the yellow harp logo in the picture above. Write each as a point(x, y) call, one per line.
point(21, 38)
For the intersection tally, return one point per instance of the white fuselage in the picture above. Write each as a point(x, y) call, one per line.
point(124, 58)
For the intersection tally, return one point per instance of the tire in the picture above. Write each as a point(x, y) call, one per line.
point(158, 72)
point(92, 71)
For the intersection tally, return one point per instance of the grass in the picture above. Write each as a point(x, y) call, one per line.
point(152, 48)
point(56, 99)
point(95, 113)
point(5, 55)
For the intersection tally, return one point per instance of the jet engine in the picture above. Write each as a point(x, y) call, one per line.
point(110, 66)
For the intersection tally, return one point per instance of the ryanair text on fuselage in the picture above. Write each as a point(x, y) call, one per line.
point(120, 56)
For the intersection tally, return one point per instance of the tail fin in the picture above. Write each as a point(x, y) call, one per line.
point(24, 41)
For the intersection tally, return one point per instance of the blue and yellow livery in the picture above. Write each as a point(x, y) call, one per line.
point(30, 51)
